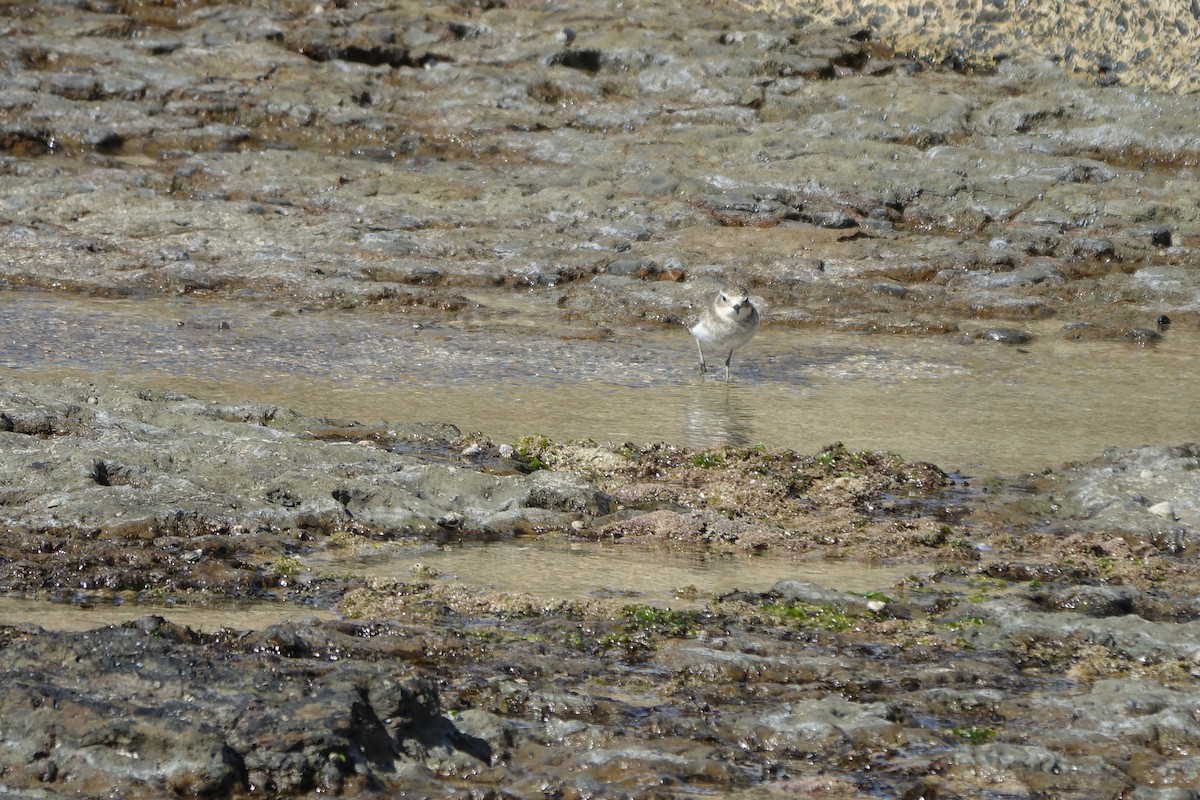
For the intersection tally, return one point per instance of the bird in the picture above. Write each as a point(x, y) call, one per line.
point(729, 320)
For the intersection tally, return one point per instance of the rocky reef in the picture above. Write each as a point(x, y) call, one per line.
point(455, 165)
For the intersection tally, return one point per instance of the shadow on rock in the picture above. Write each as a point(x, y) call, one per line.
point(286, 710)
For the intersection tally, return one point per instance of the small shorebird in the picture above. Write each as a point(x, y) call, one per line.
point(728, 321)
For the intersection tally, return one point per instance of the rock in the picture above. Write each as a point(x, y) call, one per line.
point(802, 592)
point(1114, 490)
point(1032, 766)
point(260, 722)
point(1096, 601)
point(821, 723)
point(132, 468)
point(560, 491)
point(1006, 336)
point(1163, 509)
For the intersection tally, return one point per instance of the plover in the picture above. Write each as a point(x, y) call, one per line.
point(727, 322)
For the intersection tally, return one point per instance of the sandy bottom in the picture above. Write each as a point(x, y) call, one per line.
point(582, 570)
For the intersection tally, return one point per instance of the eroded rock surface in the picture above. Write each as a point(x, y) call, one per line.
point(269, 713)
point(194, 494)
point(395, 156)
point(1038, 645)
point(1110, 42)
point(400, 157)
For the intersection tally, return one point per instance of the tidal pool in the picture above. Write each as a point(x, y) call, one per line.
point(74, 617)
point(583, 570)
point(982, 408)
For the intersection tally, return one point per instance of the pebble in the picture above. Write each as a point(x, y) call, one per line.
point(1160, 238)
point(451, 520)
point(1007, 336)
point(1163, 509)
point(1144, 334)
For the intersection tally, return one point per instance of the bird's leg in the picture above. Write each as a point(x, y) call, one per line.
point(700, 347)
point(727, 360)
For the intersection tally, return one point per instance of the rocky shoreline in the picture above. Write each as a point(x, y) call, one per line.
point(454, 165)
point(1047, 640)
point(396, 157)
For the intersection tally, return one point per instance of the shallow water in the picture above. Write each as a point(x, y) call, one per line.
point(578, 571)
point(547, 570)
point(72, 617)
point(981, 408)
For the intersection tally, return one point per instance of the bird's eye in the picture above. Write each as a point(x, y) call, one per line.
point(724, 299)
